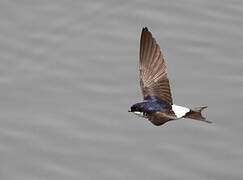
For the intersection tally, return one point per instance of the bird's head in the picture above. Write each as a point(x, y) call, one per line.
point(136, 108)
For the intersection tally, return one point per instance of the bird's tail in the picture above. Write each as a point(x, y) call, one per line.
point(195, 113)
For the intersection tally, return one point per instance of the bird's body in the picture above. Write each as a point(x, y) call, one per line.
point(151, 105)
point(154, 105)
point(157, 105)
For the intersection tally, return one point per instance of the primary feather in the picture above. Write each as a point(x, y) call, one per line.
point(153, 71)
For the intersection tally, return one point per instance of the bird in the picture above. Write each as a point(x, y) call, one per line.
point(157, 105)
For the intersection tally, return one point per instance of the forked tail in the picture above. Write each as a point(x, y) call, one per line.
point(195, 113)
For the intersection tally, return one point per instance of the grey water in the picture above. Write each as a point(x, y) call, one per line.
point(69, 73)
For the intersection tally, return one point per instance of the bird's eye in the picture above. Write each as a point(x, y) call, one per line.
point(134, 108)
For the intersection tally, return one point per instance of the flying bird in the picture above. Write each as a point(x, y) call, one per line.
point(157, 105)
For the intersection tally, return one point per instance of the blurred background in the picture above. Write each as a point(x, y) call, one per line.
point(69, 73)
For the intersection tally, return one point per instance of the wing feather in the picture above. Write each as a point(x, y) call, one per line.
point(159, 118)
point(153, 72)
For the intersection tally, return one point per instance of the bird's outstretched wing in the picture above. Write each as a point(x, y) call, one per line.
point(159, 118)
point(153, 72)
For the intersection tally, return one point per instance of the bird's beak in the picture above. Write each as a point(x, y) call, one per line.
point(129, 111)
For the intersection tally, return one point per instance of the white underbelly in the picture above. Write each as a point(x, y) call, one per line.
point(179, 110)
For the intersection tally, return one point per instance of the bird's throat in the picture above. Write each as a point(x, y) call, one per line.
point(140, 114)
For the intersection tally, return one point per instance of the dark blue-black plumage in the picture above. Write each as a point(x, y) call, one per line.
point(152, 104)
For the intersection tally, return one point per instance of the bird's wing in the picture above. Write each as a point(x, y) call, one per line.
point(153, 71)
point(159, 118)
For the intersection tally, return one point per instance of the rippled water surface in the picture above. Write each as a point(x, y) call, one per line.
point(69, 73)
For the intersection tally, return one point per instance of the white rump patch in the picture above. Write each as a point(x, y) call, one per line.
point(179, 110)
